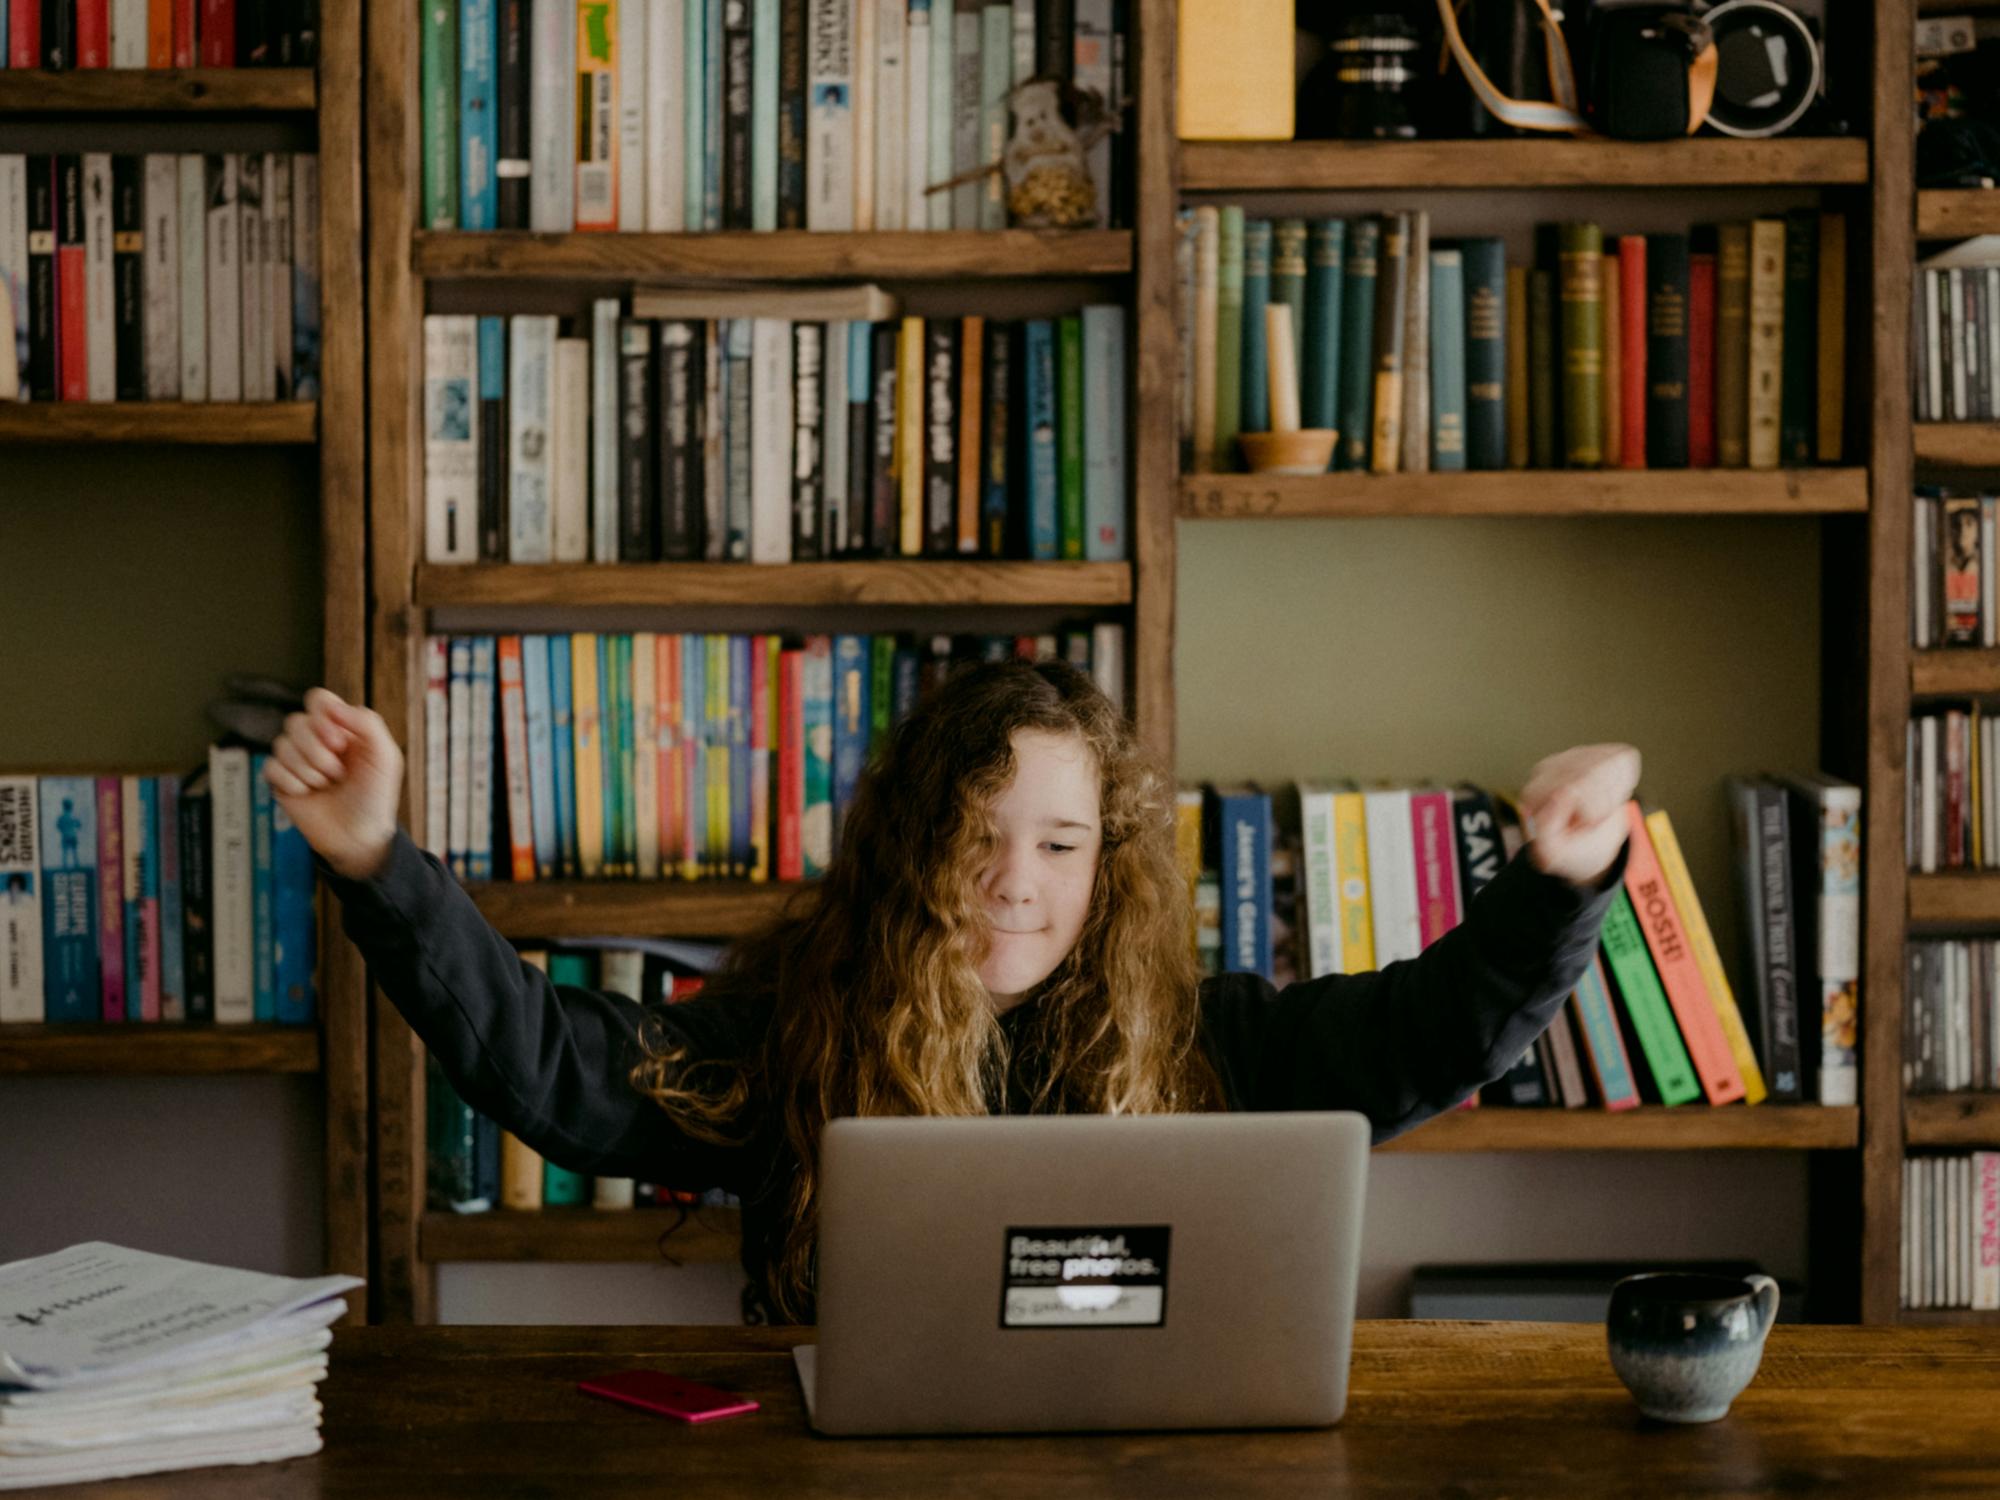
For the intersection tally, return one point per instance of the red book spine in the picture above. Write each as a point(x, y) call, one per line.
point(1701, 360)
point(93, 33)
point(111, 896)
point(1631, 397)
point(24, 34)
point(514, 752)
point(72, 330)
point(184, 46)
point(218, 33)
point(791, 767)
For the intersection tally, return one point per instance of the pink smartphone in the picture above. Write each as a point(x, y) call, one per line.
point(668, 1395)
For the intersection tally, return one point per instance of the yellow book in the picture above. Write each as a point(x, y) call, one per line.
point(597, 114)
point(1187, 852)
point(588, 728)
point(1234, 70)
point(1695, 924)
point(1350, 874)
point(716, 686)
point(521, 1165)
point(910, 435)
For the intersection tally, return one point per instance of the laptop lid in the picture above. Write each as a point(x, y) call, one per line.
point(1087, 1272)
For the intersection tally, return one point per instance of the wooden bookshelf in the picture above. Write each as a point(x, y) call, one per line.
point(1949, 1317)
point(706, 1236)
point(1970, 1120)
point(1954, 673)
point(212, 423)
point(783, 255)
point(107, 91)
point(1958, 445)
point(1766, 1127)
point(1966, 897)
point(655, 908)
point(1522, 492)
point(1954, 213)
point(1703, 161)
point(138, 1049)
point(915, 582)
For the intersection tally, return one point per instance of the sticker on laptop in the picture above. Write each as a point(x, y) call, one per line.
point(1075, 1276)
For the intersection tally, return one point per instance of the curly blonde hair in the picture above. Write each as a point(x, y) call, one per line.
point(878, 1005)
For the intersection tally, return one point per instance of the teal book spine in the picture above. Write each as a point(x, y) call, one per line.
point(293, 929)
point(944, 66)
point(816, 712)
point(1484, 267)
point(765, 22)
point(263, 953)
point(1256, 397)
point(1447, 360)
point(1044, 485)
point(1069, 435)
point(1357, 344)
point(1288, 279)
point(694, 111)
point(562, 1188)
point(1319, 343)
point(711, 94)
point(1229, 338)
point(438, 62)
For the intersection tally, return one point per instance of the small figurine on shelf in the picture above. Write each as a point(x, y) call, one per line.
point(1048, 183)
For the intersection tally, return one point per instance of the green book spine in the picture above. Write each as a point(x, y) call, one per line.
point(1288, 284)
point(1357, 343)
point(1229, 339)
point(1798, 395)
point(1319, 341)
point(1581, 248)
point(1732, 345)
point(1541, 371)
point(1447, 360)
point(449, 1129)
point(1646, 1003)
point(1256, 398)
point(560, 1186)
point(439, 64)
point(882, 689)
point(1485, 272)
point(1069, 434)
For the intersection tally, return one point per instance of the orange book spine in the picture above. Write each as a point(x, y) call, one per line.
point(971, 357)
point(160, 33)
point(514, 749)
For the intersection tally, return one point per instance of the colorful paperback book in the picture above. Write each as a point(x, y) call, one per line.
point(139, 806)
point(21, 883)
point(537, 701)
point(562, 757)
point(1044, 532)
point(293, 927)
point(173, 940)
point(852, 720)
point(111, 896)
point(71, 970)
point(816, 706)
point(1242, 838)
point(263, 937)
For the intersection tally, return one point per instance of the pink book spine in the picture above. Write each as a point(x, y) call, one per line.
point(111, 896)
point(1437, 864)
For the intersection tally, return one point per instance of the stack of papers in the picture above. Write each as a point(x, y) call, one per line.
point(116, 1362)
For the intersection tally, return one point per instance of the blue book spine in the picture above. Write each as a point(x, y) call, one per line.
point(1256, 397)
point(694, 701)
point(485, 1163)
point(263, 954)
point(607, 742)
point(1319, 348)
point(292, 926)
point(484, 697)
point(142, 859)
point(1043, 492)
point(70, 971)
point(478, 114)
point(1600, 1031)
point(907, 677)
point(541, 753)
point(562, 761)
point(1245, 860)
point(740, 854)
point(173, 943)
point(1447, 360)
point(1359, 273)
point(764, 26)
point(1104, 433)
point(618, 757)
point(816, 712)
point(851, 719)
point(694, 110)
point(711, 96)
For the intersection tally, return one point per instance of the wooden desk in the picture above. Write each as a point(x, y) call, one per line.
point(1475, 1411)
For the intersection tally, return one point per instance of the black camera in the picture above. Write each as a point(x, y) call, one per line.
point(1747, 68)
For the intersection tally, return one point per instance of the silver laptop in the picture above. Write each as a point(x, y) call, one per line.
point(1032, 1274)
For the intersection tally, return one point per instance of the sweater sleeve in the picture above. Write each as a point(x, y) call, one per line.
point(1417, 1037)
point(548, 1062)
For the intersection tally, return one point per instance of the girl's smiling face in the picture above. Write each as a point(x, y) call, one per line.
point(1037, 889)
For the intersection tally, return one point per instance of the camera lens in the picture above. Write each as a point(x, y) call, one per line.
point(1767, 68)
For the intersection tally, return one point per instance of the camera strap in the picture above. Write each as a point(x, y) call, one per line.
point(1523, 114)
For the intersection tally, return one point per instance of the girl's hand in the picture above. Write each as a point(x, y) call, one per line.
point(1574, 810)
point(338, 774)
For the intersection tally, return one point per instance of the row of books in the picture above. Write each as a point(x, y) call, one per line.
point(772, 440)
point(676, 115)
point(655, 756)
point(1951, 1016)
point(1955, 583)
point(159, 278)
point(56, 35)
point(1952, 807)
point(1721, 347)
point(155, 898)
point(1957, 342)
point(1951, 1231)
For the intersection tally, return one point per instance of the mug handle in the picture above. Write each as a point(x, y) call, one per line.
point(1765, 1290)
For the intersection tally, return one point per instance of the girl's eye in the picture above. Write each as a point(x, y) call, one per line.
point(1059, 848)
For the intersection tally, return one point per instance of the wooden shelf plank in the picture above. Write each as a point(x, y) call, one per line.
point(1958, 445)
point(1948, 1317)
point(139, 1048)
point(1562, 492)
point(1954, 673)
point(1083, 585)
point(1951, 1120)
point(1970, 897)
point(777, 255)
point(631, 908)
point(1767, 1127)
point(157, 91)
point(706, 1236)
point(1955, 213)
point(176, 422)
point(1272, 166)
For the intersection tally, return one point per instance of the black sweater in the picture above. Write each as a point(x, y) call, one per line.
point(551, 1062)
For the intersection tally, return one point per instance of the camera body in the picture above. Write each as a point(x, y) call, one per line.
point(1651, 72)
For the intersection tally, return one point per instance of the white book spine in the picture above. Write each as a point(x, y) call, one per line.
point(479, 811)
point(458, 816)
point(1986, 1190)
point(771, 441)
point(1024, 41)
point(569, 451)
point(645, 755)
point(255, 263)
point(225, 281)
point(1322, 900)
point(128, 33)
point(917, 94)
point(604, 430)
point(193, 227)
point(451, 438)
point(304, 353)
point(833, 441)
point(1104, 434)
point(995, 81)
point(1933, 364)
point(20, 902)
point(968, 124)
point(552, 117)
point(278, 271)
point(100, 288)
point(1992, 353)
point(892, 114)
point(14, 277)
point(830, 114)
point(229, 876)
point(943, 42)
point(1093, 72)
point(437, 746)
point(1392, 876)
point(1961, 406)
point(161, 209)
point(666, 116)
point(714, 472)
point(1107, 661)
point(611, 1193)
point(865, 14)
point(633, 34)
point(531, 352)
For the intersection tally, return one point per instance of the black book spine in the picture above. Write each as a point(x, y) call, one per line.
point(940, 377)
point(253, 33)
point(1978, 368)
point(808, 457)
point(638, 500)
point(284, 33)
point(1798, 390)
point(305, 53)
point(884, 492)
point(678, 431)
point(511, 85)
point(1055, 39)
point(128, 261)
point(1778, 984)
point(41, 278)
point(736, 86)
point(1546, 326)
point(1667, 352)
point(1118, 213)
point(997, 469)
point(1485, 263)
point(492, 467)
point(860, 418)
point(792, 114)
point(197, 948)
point(58, 35)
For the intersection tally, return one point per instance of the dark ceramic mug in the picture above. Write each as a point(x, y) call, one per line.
point(1686, 1344)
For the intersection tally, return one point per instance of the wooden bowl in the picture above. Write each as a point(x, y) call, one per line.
point(1307, 451)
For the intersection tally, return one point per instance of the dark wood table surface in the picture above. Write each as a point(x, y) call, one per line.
point(1472, 1411)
